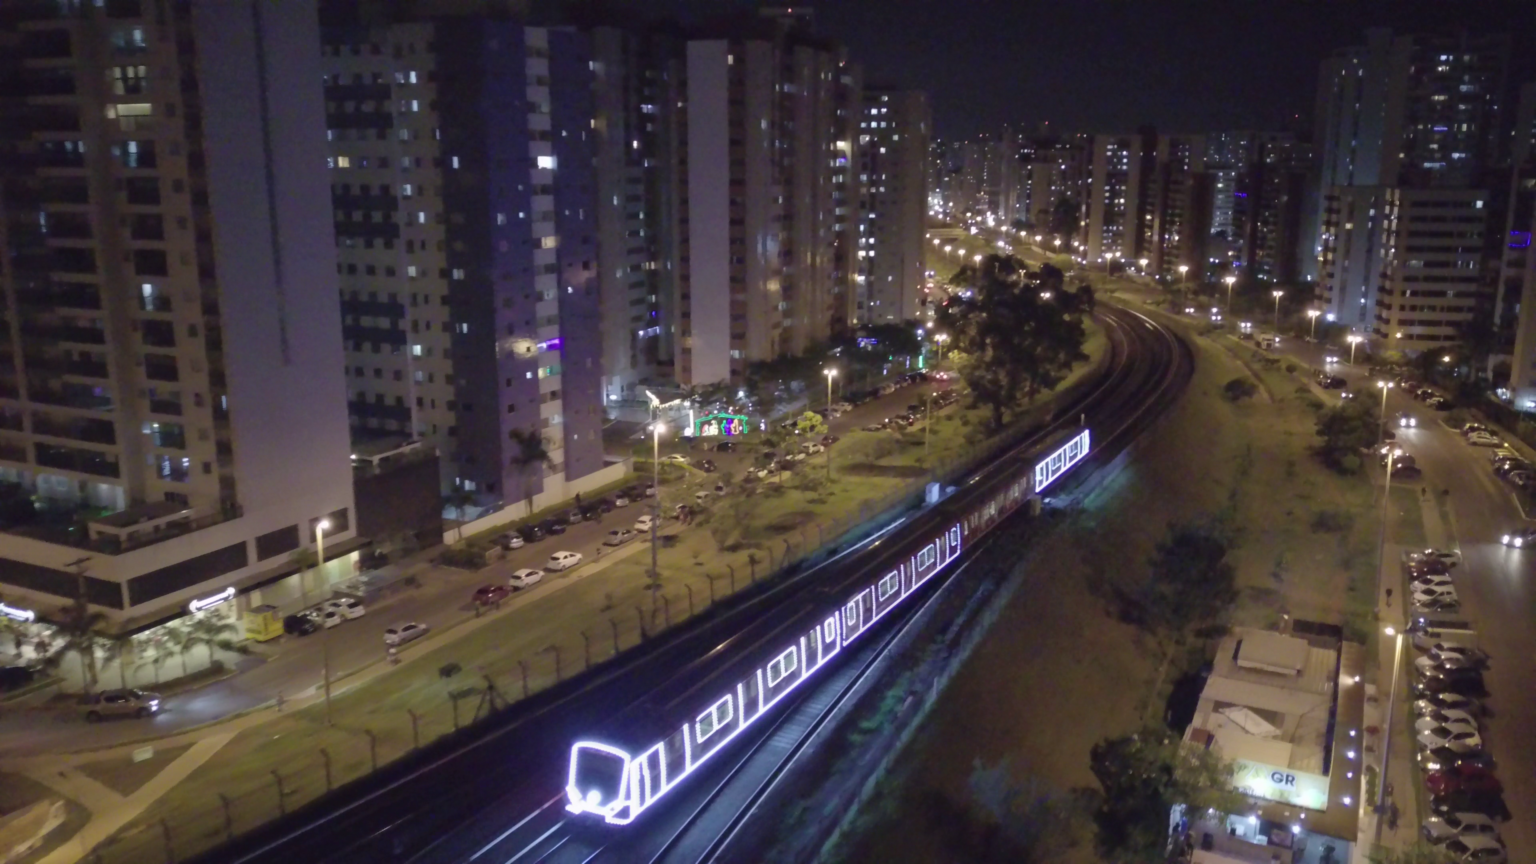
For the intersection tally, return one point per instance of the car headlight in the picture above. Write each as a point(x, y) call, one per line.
point(1504, 539)
point(1519, 541)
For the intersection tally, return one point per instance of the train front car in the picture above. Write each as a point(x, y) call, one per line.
point(599, 782)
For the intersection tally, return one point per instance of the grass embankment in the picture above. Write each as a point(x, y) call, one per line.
point(1060, 671)
point(733, 540)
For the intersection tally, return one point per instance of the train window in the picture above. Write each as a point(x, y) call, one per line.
point(829, 629)
point(851, 613)
point(889, 584)
point(925, 557)
point(718, 715)
point(781, 667)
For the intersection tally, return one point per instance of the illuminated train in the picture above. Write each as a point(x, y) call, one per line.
point(605, 779)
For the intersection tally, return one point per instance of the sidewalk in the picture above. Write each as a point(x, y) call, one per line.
point(1403, 773)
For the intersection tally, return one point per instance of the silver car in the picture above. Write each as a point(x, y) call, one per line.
point(120, 703)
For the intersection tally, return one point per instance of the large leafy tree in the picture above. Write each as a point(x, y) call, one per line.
point(1141, 777)
point(1012, 339)
point(529, 450)
point(1346, 429)
point(1191, 582)
point(811, 423)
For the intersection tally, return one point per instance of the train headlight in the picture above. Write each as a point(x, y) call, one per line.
point(594, 797)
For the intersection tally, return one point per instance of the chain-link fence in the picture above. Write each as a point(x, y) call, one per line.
point(344, 753)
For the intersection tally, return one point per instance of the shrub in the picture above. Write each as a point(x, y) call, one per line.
point(1290, 368)
point(1238, 389)
point(448, 670)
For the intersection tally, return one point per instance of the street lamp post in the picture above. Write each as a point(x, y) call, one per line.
point(1353, 339)
point(656, 429)
point(830, 373)
point(1381, 535)
point(1312, 316)
point(1230, 280)
point(1386, 747)
point(1277, 295)
point(1143, 263)
point(941, 338)
point(1183, 269)
point(1381, 432)
point(325, 631)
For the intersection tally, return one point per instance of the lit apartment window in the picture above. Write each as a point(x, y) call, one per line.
point(546, 163)
point(549, 242)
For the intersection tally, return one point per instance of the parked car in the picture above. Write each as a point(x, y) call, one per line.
point(1451, 718)
point(524, 578)
point(403, 633)
point(1451, 655)
point(1506, 467)
point(553, 526)
point(875, 427)
point(1430, 592)
point(705, 465)
point(562, 561)
point(12, 677)
point(1519, 539)
point(326, 618)
point(1463, 779)
point(811, 448)
point(510, 540)
point(618, 537)
point(828, 440)
point(1476, 849)
point(533, 533)
point(1457, 701)
point(676, 458)
point(1437, 603)
point(1430, 580)
point(644, 523)
point(1469, 428)
point(119, 703)
point(1331, 382)
point(621, 500)
point(1440, 758)
point(1489, 804)
point(348, 607)
point(1447, 557)
point(299, 625)
point(1483, 439)
point(490, 595)
point(1440, 403)
point(725, 447)
point(1405, 472)
point(1467, 685)
point(570, 517)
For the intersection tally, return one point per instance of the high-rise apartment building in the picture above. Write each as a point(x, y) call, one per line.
point(171, 394)
point(1355, 243)
point(464, 184)
point(1517, 282)
point(1112, 223)
point(1432, 280)
point(1270, 206)
point(892, 171)
point(1411, 112)
point(1178, 232)
point(1054, 171)
point(768, 213)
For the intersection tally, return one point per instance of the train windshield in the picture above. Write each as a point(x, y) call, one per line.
point(597, 777)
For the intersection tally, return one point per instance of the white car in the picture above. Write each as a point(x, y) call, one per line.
point(1457, 738)
point(677, 458)
point(621, 501)
point(1438, 701)
point(701, 497)
point(644, 523)
point(1430, 580)
point(525, 578)
point(348, 607)
point(1483, 439)
point(562, 561)
point(326, 618)
point(1520, 539)
point(403, 633)
point(1477, 849)
point(813, 448)
point(512, 540)
point(1422, 596)
point(1451, 718)
point(1454, 664)
point(1440, 829)
point(618, 537)
point(1447, 557)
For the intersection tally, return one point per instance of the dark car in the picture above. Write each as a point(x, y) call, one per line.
point(725, 447)
point(1465, 683)
point(490, 595)
point(553, 526)
point(1489, 804)
point(12, 677)
point(1333, 382)
point(1405, 472)
point(768, 455)
point(532, 533)
point(705, 465)
point(1506, 467)
point(1440, 403)
point(299, 625)
point(829, 440)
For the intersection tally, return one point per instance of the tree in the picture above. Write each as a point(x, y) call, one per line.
point(529, 450)
point(1239, 388)
point(209, 628)
point(811, 423)
point(1346, 430)
point(1012, 342)
point(82, 629)
point(1141, 777)
point(1190, 582)
point(1066, 216)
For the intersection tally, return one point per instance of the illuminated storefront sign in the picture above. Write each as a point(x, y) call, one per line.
point(1056, 464)
point(16, 614)
point(721, 424)
point(1285, 785)
point(202, 603)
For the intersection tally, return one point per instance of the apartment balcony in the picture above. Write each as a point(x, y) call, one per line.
point(165, 406)
point(77, 460)
point(13, 451)
point(75, 428)
point(67, 394)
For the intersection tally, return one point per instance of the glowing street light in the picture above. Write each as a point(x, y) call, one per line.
point(1143, 263)
point(1381, 432)
point(1353, 339)
point(1312, 314)
point(321, 527)
point(1230, 280)
point(830, 373)
point(941, 338)
point(1277, 295)
point(1183, 269)
point(1386, 750)
point(656, 429)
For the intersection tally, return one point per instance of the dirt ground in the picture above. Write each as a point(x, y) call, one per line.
point(1059, 672)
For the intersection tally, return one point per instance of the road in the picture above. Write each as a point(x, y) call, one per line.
point(1495, 584)
point(485, 787)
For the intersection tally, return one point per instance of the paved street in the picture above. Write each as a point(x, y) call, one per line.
point(1494, 582)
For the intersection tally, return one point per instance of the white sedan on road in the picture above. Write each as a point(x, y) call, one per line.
point(524, 578)
point(403, 633)
point(1448, 557)
point(1483, 439)
point(644, 523)
point(348, 607)
point(1430, 580)
point(618, 537)
point(562, 561)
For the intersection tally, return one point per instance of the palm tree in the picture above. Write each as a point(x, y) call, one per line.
point(530, 450)
point(81, 628)
point(116, 647)
point(209, 629)
point(459, 500)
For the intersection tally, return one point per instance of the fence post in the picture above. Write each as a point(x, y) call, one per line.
point(373, 750)
point(170, 851)
point(415, 730)
point(282, 802)
point(711, 580)
point(819, 540)
point(556, 650)
point(523, 665)
point(454, 701)
point(586, 651)
point(640, 615)
point(666, 612)
point(689, 589)
point(229, 816)
point(615, 625)
point(326, 756)
point(733, 578)
point(752, 569)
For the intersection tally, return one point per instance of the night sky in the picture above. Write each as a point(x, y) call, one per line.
point(1101, 66)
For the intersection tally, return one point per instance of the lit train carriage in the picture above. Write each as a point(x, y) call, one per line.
point(620, 778)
